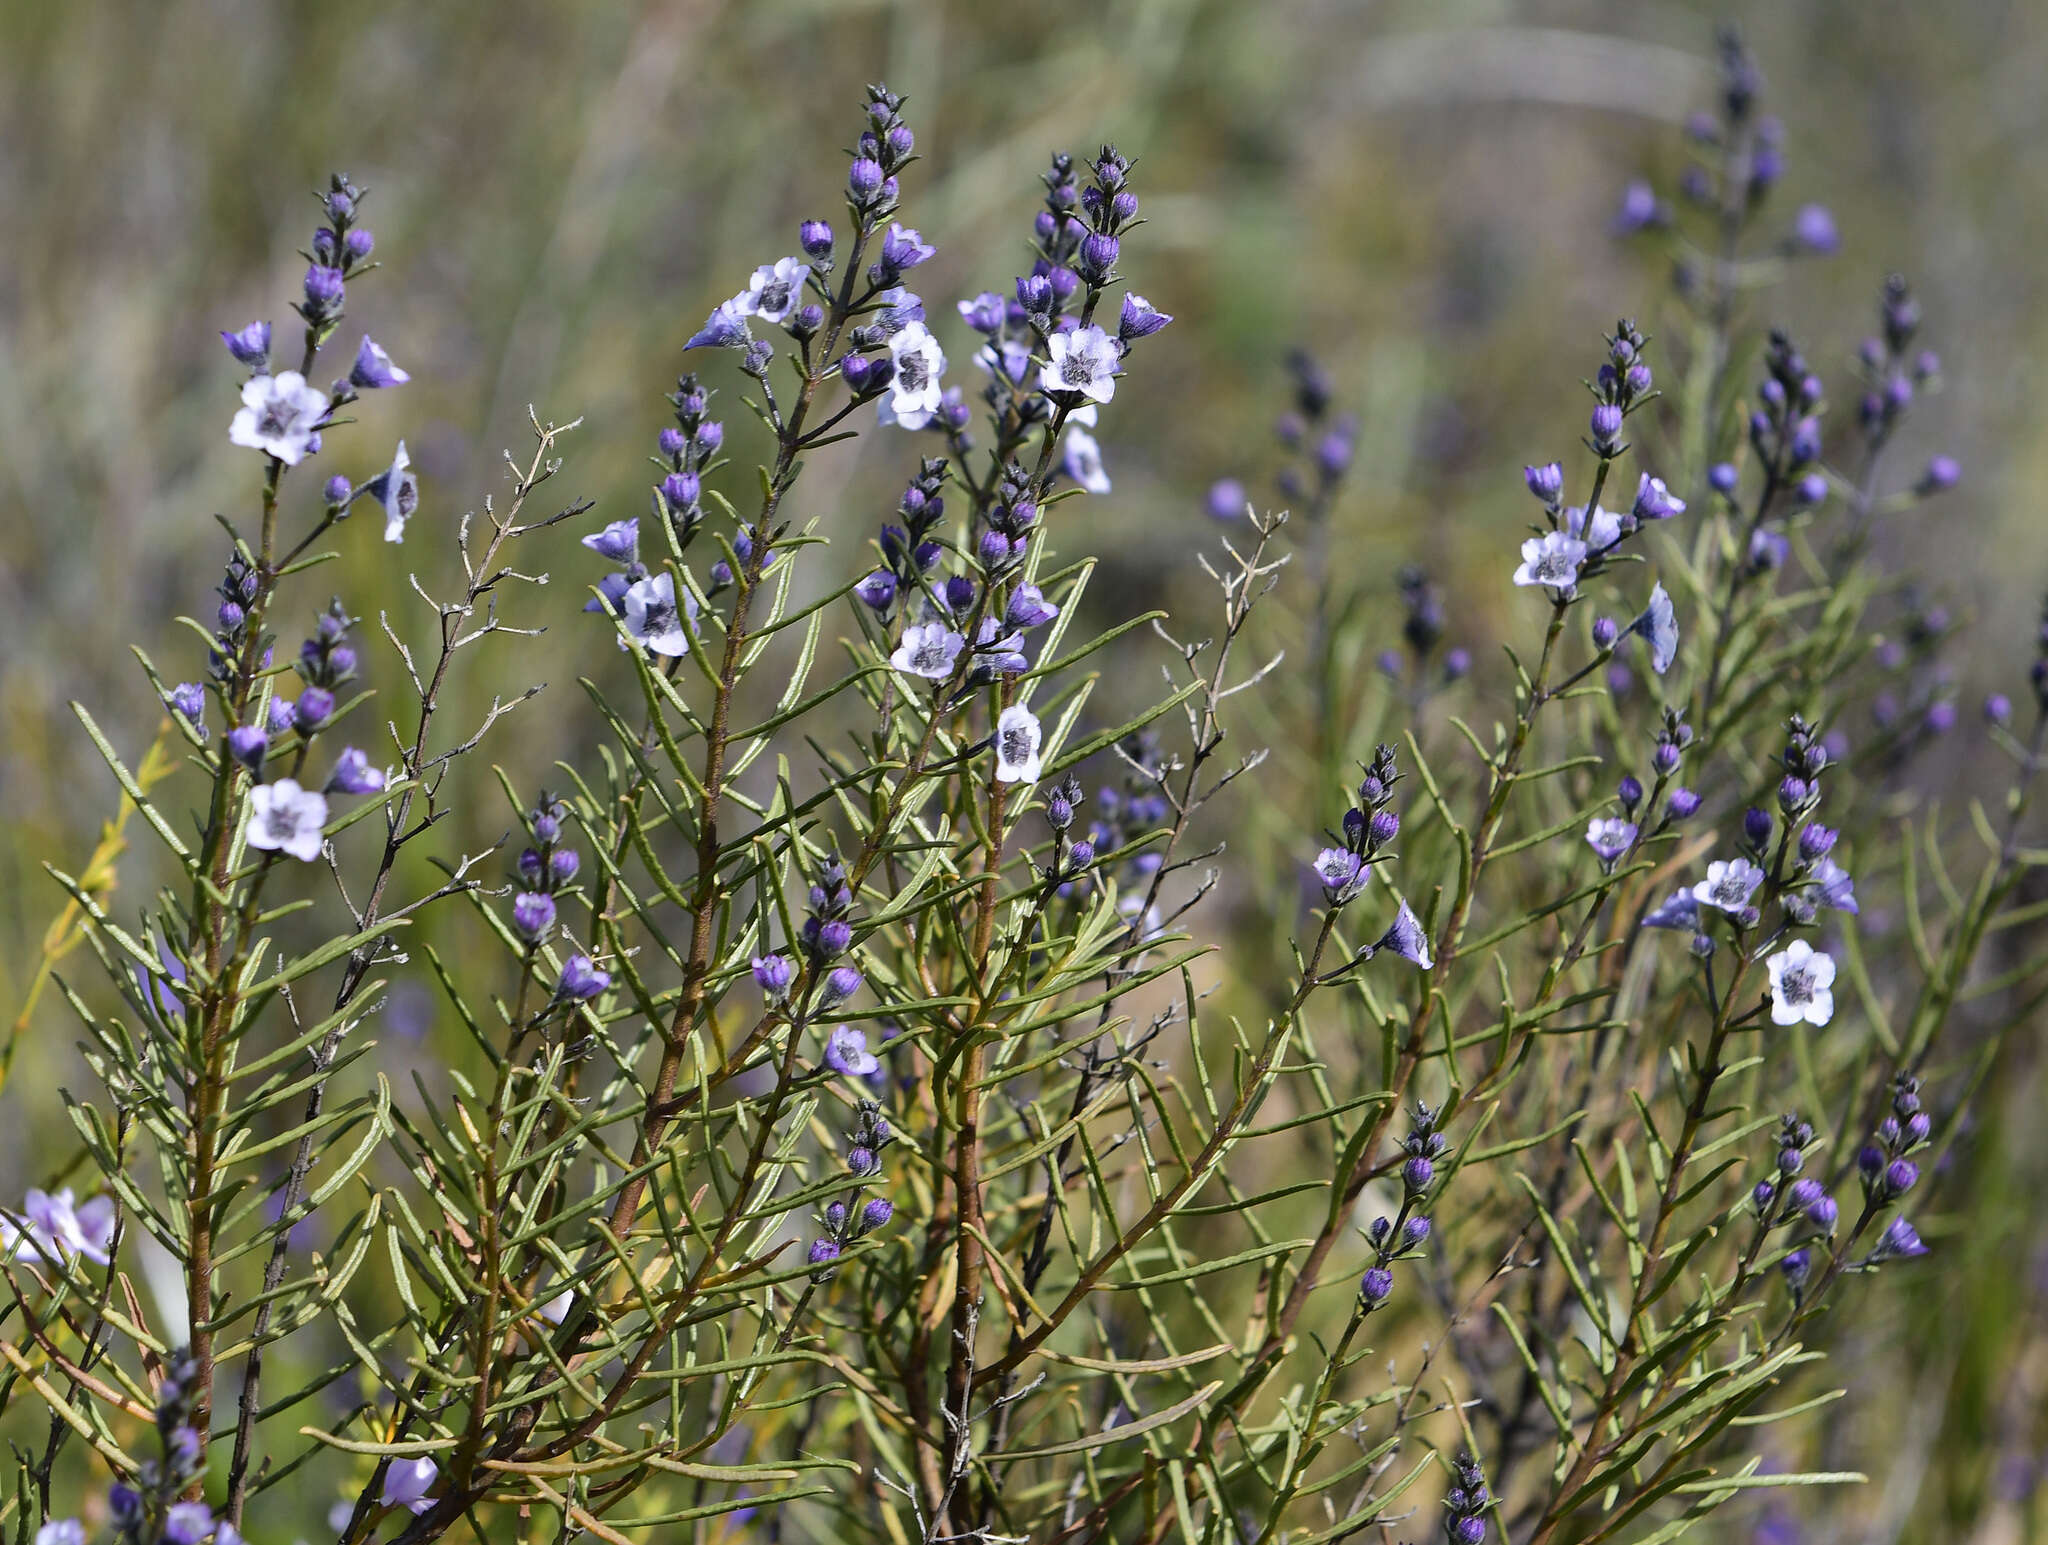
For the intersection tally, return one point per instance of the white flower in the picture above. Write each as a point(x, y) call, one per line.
point(1018, 738)
point(280, 414)
point(775, 290)
point(928, 649)
point(1603, 531)
point(58, 1225)
point(1659, 628)
point(397, 489)
point(284, 818)
point(407, 1483)
point(1081, 459)
point(1728, 885)
point(1552, 559)
point(1084, 360)
point(653, 618)
point(914, 391)
point(1801, 982)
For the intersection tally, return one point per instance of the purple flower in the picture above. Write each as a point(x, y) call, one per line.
point(1140, 319)
point(284, 818)
point(1610, 837)
point(580, 980)
point(1028, 608)
point(846, 1052)
point(1551, 560)
point(1406, 938)
point(1899, 1241)
point(61, 1531)
point(1834, 887)
point(1943, 472)
point(1018, 739)
point(1545, 482)
point(878, 1212)
point(773, 974)
point(654, 621)
point(775, 290)
point(250, 346)
point(1801, 979)
point(1081, 459)
point(619, 542)
point(1640, 209)
point(914, 391)
point(985, 313)
point(1654, 501)
point(533, 914)
point(1678, 910)
point(1729, 885)
point(313, 709)
point(373, 368)
point(397, 489)
point(1343, 874)
point(407, 1482)
point(725, 328)
point(1658, 626)
point(280, 416)
point(903, 248)
point(189, 699)
point(187, 1523)
point(928, 649)
point(878, 590)
point(823, 1252)
point(1599, 533)
point(1376, 1287)
point(842, 983)
point(59, 1226)
point(353, 774)
point(1226, 500)
point(1085, 361)
point(1723, 477)
point(1813, 228)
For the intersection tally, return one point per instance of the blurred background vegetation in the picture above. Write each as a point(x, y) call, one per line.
point(1419, 191)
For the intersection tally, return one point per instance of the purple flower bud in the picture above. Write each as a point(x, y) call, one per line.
point(358, 244)
point(533, 914)
point(1760, 1196)
point(1918, 1126)
point(815, 237)
point(823, 1252)
point(1376, 1287)
point(1226, 499)
point(1417, 1174)
point(1796, 1267)
point(864, 179)
point(1384, 827)
point(353, 774)
point(1943, 472)
point(562, 866)
point(1140, 319)
point(1941, 717)
point(1415, 1231)
point(315, 707)
point(1605, 631)
point(877, 590)
point(547, 826)
point(1900, 1240)
point(1998, 709)
point(324, 290)
point(842, 984)
point(1034, 294)
point(1900, 1176)
point(280, 716)
point(856, 370)
point(1756, 826)
point(373, 369)
point(1457, 664)
point(1606, 427)
point(1098, 257)
point(1813, 228)
point(835, 1217)
point(876, 1213)
point(1816, 842)
point(774, 973)
point(248, 745)
point(1545, 482)
point(1723, 478)
point(862, 1160)
point(1812, 489)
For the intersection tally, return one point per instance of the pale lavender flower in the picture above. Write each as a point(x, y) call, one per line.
point(654, 620)
point(1018, 738)
point(914, 391)
point(280, 415)
point(928, 649)
point(397, 490)
point(250, 346)
point(1028, 607)
point(1679, 910)
point(1654, 501)
point(353, 774)
point(775, 290)
point(1551, 560)
point(1406, 938)
point(846, 1052)
point(984, 313)
point(1343, 874)
point(187, 1523)
point(773, 974)
point(1801, 979)
point(1610, 837)
point(61, 1531)
point(58, 1225)
point(725, 328)
point(1900, 1240)
point(284, 818)
point(903, 247)
point(1081, 459)
point(896, 309)
point(1729, 885)
point(1599, 533)
point(580, 980)
point(1658, 626)
point(373, 368)
point(407, 1482)
point(1140, 318)
point(1084, 360)
point(1834, 887)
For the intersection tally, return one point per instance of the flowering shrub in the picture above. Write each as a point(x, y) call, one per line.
point(847, 1144)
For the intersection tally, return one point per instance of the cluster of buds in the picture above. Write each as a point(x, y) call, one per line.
point(1622, 384)
point(1422, 629)
point(848, 1218)
point(688, 449)
point(1784, 427)
point(1466, 1503)
point(340, 249)
point(1404, 1234)
point(826, 936)
point(546, 868)
point(910, 551)
point(885, 147)
point(1370, 825)
point(326, 660)
point(1071, 856)
point(1883, 1163)
point(1795, 1139)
